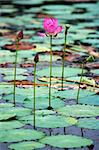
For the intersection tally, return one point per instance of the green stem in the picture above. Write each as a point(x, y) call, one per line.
point(64, 56)
point(16, 55)
point(80, 83)
point(50, 71)
point(34, 102)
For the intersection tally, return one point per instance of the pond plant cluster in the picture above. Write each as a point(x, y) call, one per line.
point(49, 75)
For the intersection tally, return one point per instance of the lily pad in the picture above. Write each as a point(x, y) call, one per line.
point(26, 145)
point(89, 123)
point(6, 88)
point(91, 100)
point(15, 111)
point(7, 125)
point(72, 94)
point(18, 77)
point(50, 121)
point(10, 71)
point(57, 72)
point(79, 111)
point(42, 102)
point(17, 135)
point(66, 141)
point(6, 116)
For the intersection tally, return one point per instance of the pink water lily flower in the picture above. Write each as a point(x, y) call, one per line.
point(51, 27)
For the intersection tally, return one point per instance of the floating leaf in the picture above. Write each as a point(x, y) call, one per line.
point(7, 125)
point(91, 100)
point(42, 102)
point(57, 71)
point(79, 111)
point(66, 141)
point(26, 145)
point(50, 121)
point(17, 135)
point(89, 123)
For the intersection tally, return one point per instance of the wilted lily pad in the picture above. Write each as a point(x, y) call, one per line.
point(16, 135)
point(66, 141)
point(79, 111)
point(89, 123)
point(26, 145)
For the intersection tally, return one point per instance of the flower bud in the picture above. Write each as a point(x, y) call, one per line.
point(36, 58)
point(90, 58)
point(20, 35)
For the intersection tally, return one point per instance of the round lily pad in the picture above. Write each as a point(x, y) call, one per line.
point(66, 141)
point(79, 110)
point(42, 102)
point(90, 100)
point(50, 121)
point(6, 125)
point(15, 111)
point(57, 72)
point(72, 94)
point(18, 77)
point(89, 123)
point(10, 71)
point(17, 135)
point(6, 105)
point(26, 145)
point(6, 88)
point(6, 115)
point(19, 98)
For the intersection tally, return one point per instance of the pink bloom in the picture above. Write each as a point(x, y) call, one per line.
point(41, 34)
point(51, 26)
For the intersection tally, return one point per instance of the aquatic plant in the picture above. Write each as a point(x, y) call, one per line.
point(36, 60)
point(19, 37)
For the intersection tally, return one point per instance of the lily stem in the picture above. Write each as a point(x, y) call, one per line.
point(50, 72)
point(78, 92)
point(34, 102)
point(66, 29)
point(16, 55)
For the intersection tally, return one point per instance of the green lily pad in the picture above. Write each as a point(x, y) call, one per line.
point(26, 145)
point(15, 111)
point(50, 121)
point(6, 88)
point(17, 135)
point(57, 72)
point(66, 141)
point(19, 98)
point(7, 125)
point(91, 100)
point(10, 71)
point(95, 71)
point(72, 94)
point(42, 102)
point(6, 116)
point(18, 77)
point(6, 105)
point(89, 123)
point(79, 111)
